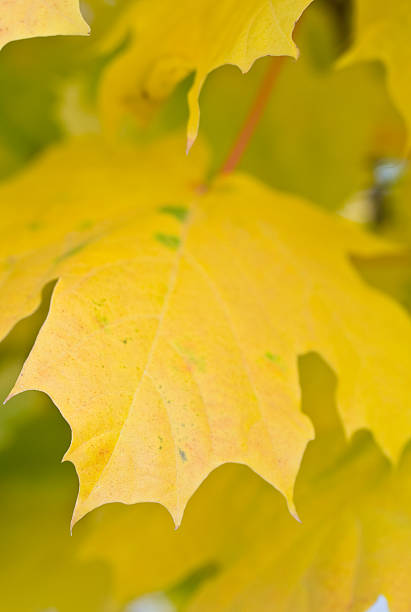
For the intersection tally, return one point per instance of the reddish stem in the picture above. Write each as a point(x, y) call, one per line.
point(254, 115)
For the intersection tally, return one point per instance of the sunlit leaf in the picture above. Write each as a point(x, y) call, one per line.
point(172, 341)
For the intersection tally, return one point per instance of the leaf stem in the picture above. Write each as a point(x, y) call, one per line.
point(253, 116)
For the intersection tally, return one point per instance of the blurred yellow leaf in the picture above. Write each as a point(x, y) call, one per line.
point(239, 549)
point(29, 18)
point(172, 340)
point(383, 32)
point(171, 39)
point(48, 86)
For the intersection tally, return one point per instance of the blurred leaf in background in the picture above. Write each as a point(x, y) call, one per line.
point(169, 40)
point(382, 32)
point(323, 126)
point(45, 79)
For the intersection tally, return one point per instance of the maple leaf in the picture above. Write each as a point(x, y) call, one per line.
point(169, 41)
point(249, 554)
point(172, 338)
point(383, 33)
point(30, 18)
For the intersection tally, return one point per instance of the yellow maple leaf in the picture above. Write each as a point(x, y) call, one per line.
point(173, 334)
point(169, 40)
point(29, 18)
point(383, 33)
point(239, 549)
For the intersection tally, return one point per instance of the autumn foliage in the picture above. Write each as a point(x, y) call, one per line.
point(205, 264)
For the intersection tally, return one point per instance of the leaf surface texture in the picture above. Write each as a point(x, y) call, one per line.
point(173, 334)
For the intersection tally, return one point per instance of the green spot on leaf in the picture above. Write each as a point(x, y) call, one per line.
point(101, 319)
point(85, 225)
point(168, 240)
point(34, 226)
point(273, 358)
point(179, 212)
point(182, 454)
point(190, 357)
